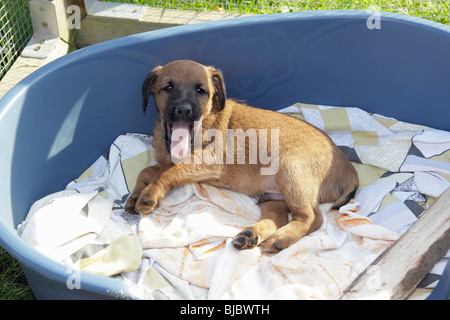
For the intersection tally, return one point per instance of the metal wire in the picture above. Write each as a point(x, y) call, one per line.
point(15, 31)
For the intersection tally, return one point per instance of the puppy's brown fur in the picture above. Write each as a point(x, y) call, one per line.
point(312, 169)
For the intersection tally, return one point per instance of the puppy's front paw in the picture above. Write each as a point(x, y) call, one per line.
point(149, 199)
point(247, 239)
point(130, 206)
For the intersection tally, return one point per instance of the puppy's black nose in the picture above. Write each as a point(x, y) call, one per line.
point(183, 110)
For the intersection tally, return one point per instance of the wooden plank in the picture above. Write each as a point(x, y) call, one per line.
point(181, 17)
point(65, 30)
point(23, 67)
point(109, 24)
point(96, 29)
point(398, 270)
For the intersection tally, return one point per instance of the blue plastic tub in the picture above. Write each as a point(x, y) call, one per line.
point(81, 102)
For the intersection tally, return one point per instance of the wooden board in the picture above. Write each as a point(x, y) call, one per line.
point(23, 67)
point(110, 24)
point(398, 270)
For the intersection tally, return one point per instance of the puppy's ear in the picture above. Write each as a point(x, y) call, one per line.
point(220, 95)
point(148, 86)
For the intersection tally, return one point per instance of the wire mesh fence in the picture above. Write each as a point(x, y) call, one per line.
point(436, 10)
point(15, 31)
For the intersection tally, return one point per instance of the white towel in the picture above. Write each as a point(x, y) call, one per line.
point(187, 252)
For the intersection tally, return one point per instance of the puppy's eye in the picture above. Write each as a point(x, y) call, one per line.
point(201, 91)
point(168, 88)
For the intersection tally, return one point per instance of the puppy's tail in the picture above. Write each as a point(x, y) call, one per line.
point(344, 199)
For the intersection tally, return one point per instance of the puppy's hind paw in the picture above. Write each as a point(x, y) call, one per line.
point(245, 240)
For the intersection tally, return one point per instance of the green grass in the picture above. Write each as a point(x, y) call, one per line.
point(436, 10)
point(13, 284)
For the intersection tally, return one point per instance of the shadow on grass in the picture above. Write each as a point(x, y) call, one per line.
point(13, 284)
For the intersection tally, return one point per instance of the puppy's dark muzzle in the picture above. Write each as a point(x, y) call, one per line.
point(183, 112)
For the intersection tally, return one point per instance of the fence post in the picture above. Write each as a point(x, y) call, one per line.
point(52, 38)
point(69, 14)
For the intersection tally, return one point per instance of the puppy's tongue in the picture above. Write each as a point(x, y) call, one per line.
point(180, 140)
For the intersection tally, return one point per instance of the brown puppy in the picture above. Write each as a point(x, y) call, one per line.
point(201, 136)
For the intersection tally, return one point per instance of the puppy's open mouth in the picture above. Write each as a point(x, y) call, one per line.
point(180, 134)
